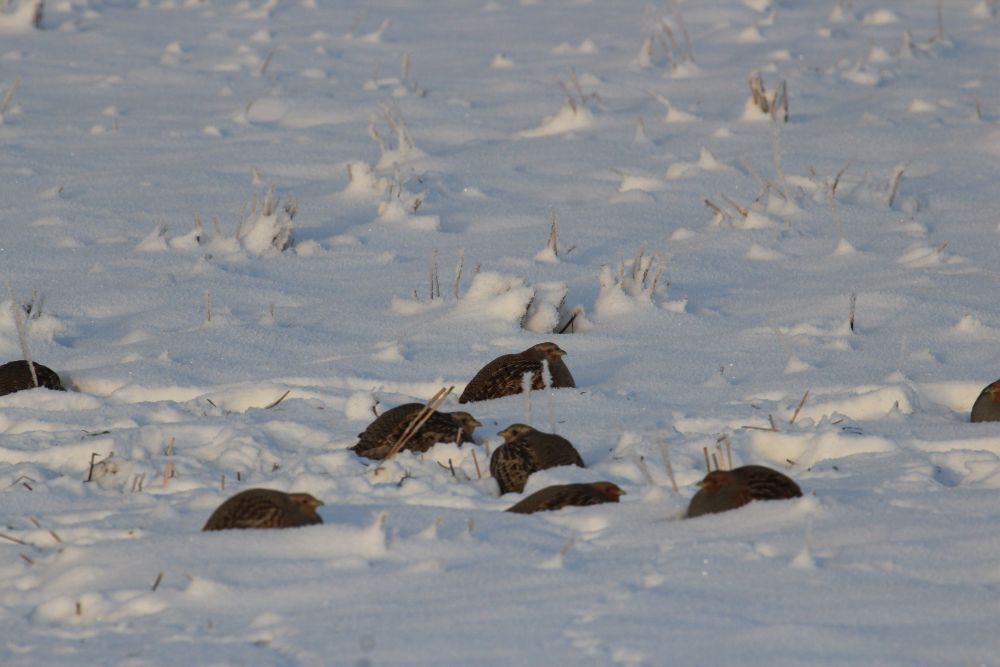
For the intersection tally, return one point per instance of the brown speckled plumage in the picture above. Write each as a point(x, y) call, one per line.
point(563, 495)
point(526, 451)
point(724, 490)
point(16, 376)
point(265, 508)
point(504, 375)
point(987, 406)
point(376, 440)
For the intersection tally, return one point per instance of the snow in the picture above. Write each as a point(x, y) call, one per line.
point(214, 205)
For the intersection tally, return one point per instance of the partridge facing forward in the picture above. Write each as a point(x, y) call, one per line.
point(265, 508)
point(376, 440)
point(987, 406)
point(561, 495)
point(526, 451)
point(723, 490)
point(16, 376)
point(504, 376)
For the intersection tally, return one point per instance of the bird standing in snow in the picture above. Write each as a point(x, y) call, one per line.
point(562, 495)
point(265, 508)
point(376, 440)
point(724, 490)
point(526, 451)
point(16, 376)
point(504, 376)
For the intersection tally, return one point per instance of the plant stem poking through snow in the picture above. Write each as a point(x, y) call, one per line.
point(852, 303)
point(457, 285)
point(798, 407)
point(897, 176)
point(665, 455)
point(168, 471)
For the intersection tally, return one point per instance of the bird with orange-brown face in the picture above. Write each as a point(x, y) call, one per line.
point(525, 451)
point(987, 406)
point(504, 376)
point(724, 490)
point(564, 495)
point(265, 508)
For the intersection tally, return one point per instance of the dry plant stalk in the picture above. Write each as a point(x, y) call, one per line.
point(90, 473)
point(714, 459)
point(12, 538)
point(773, 427)
point(553, 243)
point(853, 303)
point(479, 474)
point(897, 176)
point(418, 420)
point(665, 455)
point(156, 584)
point(168, 471)
point(708, 467)
point(456, 287)
point(278, 400)
point(9, 95)
point(799, 407)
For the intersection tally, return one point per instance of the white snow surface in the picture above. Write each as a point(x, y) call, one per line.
point(129, 120)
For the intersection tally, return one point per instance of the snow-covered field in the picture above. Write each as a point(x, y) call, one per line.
point(712, 255)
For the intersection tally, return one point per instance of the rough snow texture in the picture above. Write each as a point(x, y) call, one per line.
point(134, 118)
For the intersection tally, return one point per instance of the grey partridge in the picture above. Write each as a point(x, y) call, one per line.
point(987, 406)
point(376, 440)
point(724, 490)
point(504, 376)
point(16, 376)
point(526, 451)
point(562, 495)
point(265, 508)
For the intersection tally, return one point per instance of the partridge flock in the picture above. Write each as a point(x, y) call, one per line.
point(525, 450)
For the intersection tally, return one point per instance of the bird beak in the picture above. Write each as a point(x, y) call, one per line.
point(319, 502)
point(476, 422)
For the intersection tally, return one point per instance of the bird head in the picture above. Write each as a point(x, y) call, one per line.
point(994, 391)
point(306, 502)
point(547, 350)
point(466, 422)
point(515, 431)
point(611, 491)
point(715, 480)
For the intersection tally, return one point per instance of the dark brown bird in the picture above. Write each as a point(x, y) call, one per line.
point(987, 406)
point(723, 490)
point(265, 508)
point(504, 376)
point(16, 376)
point(561, 495)
point(526, 451)
point(376, 440)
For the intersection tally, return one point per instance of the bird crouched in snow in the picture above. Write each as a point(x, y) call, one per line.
point(526, 451)
point(724, 490)
point(265, 508)
point(562, 495)
point(504, 376)
point(376, 440)
point(987, 406)
point(16, 376)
